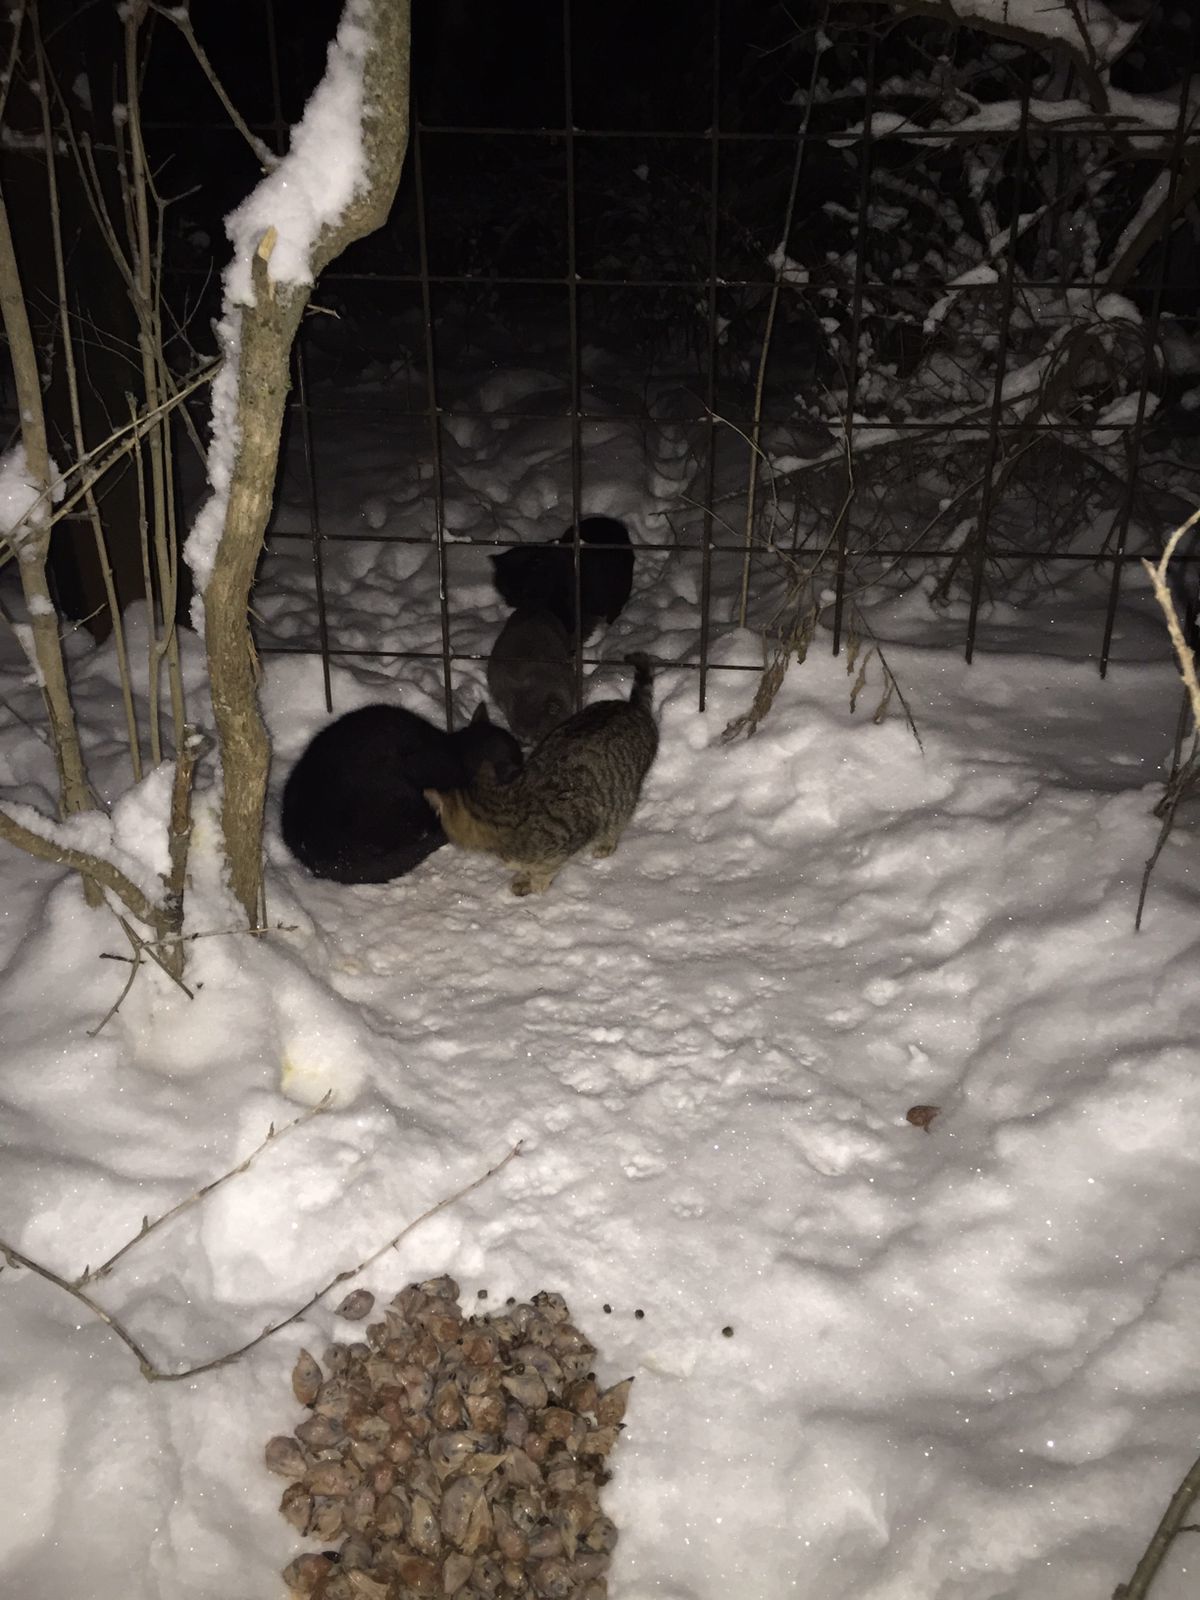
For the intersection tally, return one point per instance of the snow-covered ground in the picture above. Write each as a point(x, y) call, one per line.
point(873, 1361)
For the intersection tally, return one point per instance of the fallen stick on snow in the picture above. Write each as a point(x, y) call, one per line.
point(154, 1374)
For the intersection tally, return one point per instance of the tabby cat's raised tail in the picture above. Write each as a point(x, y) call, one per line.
point(641, 697)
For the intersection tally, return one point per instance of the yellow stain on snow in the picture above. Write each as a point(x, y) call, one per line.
point(304, 1079)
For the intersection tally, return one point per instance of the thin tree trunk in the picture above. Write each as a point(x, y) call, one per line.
point(34, 541)
point(268, 328)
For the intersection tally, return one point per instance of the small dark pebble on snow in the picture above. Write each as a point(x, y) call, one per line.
point(639, 1313)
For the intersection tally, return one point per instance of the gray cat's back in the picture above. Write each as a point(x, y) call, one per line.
point(530, 673)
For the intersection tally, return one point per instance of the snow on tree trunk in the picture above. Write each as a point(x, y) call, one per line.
point(335, 185)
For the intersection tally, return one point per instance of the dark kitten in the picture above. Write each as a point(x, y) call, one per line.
point(531, 673)
point(541, 577)
point(353, 809)
point(578, 788)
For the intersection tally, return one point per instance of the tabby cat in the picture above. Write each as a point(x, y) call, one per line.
point(578, 787)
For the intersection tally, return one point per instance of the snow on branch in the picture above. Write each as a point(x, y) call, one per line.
point(335, 185)
point(1085, 25)
point(313, 185)
point(22, 495)
point(1092, 34)
point(85, 842)
point(1143, 122)
point(280, 226)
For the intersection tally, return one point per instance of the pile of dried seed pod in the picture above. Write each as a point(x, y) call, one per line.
point(452, 1456)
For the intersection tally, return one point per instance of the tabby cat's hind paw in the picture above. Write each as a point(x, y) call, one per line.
point(532, 882)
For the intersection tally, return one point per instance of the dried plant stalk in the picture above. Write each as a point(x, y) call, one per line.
point(34, 538)
point(72, 379)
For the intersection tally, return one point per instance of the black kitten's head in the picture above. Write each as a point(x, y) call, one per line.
point(523, 576)
point(482, 742)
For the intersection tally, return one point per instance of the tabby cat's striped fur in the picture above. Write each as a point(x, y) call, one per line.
point(578, 787)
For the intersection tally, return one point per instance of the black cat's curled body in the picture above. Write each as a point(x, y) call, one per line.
point(353, 810)
point(541, 577)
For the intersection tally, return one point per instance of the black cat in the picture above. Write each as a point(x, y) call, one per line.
point(541, 577)
point(353, 809)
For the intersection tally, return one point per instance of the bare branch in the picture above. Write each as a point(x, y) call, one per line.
point(1158, 577)
point(1171, 1525)
point(35, 537)
point(16, 1259)
point(135, 967)
point(764, 355)
point(94, 868)
point(1183, 777)
point(155, 1374)
point(90, 1274)
point(265, 157)
point(1079, 49)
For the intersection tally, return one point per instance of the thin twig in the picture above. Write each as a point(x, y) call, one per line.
point(222, 933)
point(121, 445)
point(34, 536)
point(90, 1274)
point(169, 939)
point(71, 374)
point(341, 1277)
point(1175, 793)
point(263, 154)
point(1171, 1524)
point(764, 355)
point(16, 1259)
point(150, 947)
point(135, 962)
point(17, 23)
point(1158, 577)
point(154, 1374)
point(1180, 780)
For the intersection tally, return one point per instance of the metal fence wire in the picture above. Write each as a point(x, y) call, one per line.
point(876, 157)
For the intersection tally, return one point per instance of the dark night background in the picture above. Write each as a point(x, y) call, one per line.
point(497, 199)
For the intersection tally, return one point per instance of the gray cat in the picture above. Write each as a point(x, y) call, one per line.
point(578, 788)
point(531, 673)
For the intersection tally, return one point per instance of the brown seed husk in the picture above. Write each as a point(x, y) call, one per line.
point(296, 1506)
point(306, 1378)
point(304, 1574)
point(610, 1408)
point(452, 1456)
point(284, 1455)
point(357, 1305)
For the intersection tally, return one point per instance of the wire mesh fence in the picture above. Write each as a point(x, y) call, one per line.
point(863, 396)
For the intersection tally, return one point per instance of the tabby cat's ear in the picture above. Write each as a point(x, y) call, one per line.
point(480, 715)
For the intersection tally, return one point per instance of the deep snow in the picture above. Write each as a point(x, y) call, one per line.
point(962, 1361)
